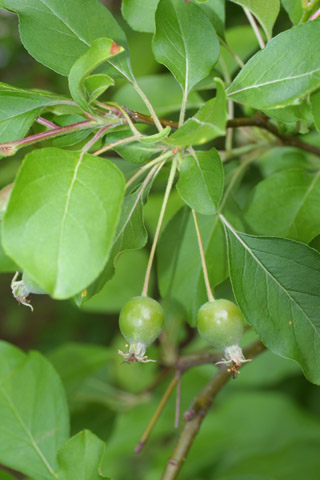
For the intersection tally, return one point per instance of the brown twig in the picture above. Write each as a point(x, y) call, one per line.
point(258, 121)
point(198, 411)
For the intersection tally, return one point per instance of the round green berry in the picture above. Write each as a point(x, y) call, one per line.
point(141, 320)
point(220, 323)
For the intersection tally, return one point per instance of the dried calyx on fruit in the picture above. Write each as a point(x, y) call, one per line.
point(21, 289)
point(221, 324)
point(141, 321)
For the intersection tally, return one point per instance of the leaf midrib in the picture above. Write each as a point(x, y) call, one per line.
point(272, 82)
point(28, 433)
point(268, 273)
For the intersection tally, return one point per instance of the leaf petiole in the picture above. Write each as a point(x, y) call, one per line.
point(159, 224)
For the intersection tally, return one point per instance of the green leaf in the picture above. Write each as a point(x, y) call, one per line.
point(181, 43)
point(101, 50)
point(215, 11)
point(292, 114)
point(131, 235)
point(294, 10)
point(201, 181)
point(140, 14)
point(208, 123)
point(19, 108)
point(287, 205)
point(279, 74)
point(96, 85)
point(75, 362)
point(179, 264)
point(156, 137)
point(265, 12)
point(168, 102)
point(275, 282)
point(69, 28)
point(80, 457)
point(281, 158)
point(135, 152)
point(72, 138)
point(126, 283)
point(34, 413)
point(315, 107)
point(61, 218)
point(92, 414)
point(6, 264)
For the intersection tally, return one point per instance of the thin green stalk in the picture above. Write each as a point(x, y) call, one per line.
point(183, 107)
point(126, 116)
point(156, 414)
point(233, 53)
point(150, 164)
point(238, 152)
point(95, 138)
point(203, 258)
point(151, 175)
point(116, 144)
point(229, 134)
point(149, 106)
point(159, 224)
point(254, 27)
point(235, 176)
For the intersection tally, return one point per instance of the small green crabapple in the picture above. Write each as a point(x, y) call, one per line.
point(221, 324)
point(141, 321)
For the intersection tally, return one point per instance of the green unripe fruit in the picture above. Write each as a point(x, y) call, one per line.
point(221, 324)
point(141, 321)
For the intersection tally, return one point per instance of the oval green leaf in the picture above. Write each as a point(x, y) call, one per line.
point(265, 12)
point(80, 457)
point(181, 43)
point(279, 74)
point(201, 181)
point(276, 284)
point(101, 50)
point(287, 205)
point(132, 13)
point(56, 33)
point(34, 413)
point(61, 218)
point(208, 123)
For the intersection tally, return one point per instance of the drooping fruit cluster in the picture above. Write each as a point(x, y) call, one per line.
point(141, 321)
point(221, 324)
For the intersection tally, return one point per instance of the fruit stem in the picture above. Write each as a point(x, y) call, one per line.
point(254, 27)
point(124, 114)
point(203, 258)
point(183, 107)
point(159, 224)
point(133, 138)
point(149, 106)
point(148, 165)
point(156, 414)
point(95, 138)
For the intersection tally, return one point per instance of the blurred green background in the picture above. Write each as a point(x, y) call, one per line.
point(264, 426)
